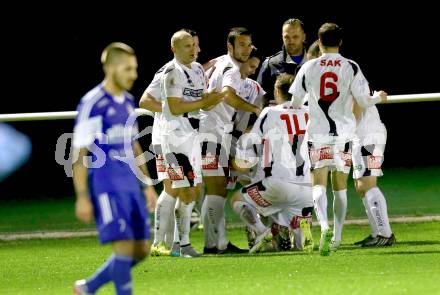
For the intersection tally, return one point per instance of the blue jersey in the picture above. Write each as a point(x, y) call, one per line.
point(100, 127)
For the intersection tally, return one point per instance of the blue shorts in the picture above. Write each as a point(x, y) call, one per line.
point(121, 216)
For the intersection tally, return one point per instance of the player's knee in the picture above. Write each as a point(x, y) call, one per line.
point(361, 188)
point(363, 185)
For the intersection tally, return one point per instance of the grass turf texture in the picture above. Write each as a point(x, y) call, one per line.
point(409, 192)
point(409, 267)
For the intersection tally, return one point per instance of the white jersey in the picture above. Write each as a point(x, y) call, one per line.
point(331, 81)
point(226, 72)
point(281, 131)
point(370, 129)
point(154, 90)
point(186, 83)
point(253, 93)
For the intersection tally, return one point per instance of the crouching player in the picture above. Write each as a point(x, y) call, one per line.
point(284, 193)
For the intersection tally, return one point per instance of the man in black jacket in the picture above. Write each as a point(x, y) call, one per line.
point(288, 60)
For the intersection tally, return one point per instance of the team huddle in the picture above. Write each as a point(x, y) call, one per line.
point(267, 145)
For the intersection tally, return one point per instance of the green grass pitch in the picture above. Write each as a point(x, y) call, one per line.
point(409, 267)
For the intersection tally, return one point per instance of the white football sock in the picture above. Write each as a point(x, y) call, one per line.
point(183, 221)
point(372, 222)
point(223, 240)
point(162, 216)
point(172, 232)
point(176, 229)
point(320, 204)
point(339, 213)
point(212, 214)
point(249, 215)
point(378, 206)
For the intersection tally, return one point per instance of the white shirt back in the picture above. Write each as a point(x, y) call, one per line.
point(281, 131)
point(331, 82)
point(370, 128)
point(253, 93)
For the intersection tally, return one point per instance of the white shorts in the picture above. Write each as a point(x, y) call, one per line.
point(272, 195)
point(367, 159)
point(335, 156)
point(183, 157)
point(216, 146)
point(161, 163)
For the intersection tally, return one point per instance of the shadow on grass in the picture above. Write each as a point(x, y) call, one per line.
point(410, 252)
point(390, 250)
point(419, 243)
point(404, 243)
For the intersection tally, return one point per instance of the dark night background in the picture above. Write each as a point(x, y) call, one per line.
point(51, 58)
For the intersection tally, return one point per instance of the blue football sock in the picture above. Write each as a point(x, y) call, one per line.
point(120, 273)
point(101, 276)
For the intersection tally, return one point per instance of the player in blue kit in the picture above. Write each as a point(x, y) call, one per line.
point(106, 184)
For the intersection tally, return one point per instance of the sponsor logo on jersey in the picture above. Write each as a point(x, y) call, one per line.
point(330, 63)
point(210, 162)
point(110, 112)
point(192, 92)
point(175, 173)
point(374, 162)
point(116, 133)
point(255, 195)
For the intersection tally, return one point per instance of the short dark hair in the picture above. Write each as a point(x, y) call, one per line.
point(114, 50)
point(330, 35)
point(294, 21)
point(282, 83)
point(235, 32)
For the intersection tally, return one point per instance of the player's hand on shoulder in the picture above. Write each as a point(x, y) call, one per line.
point(382, 95)
point(257, 111)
